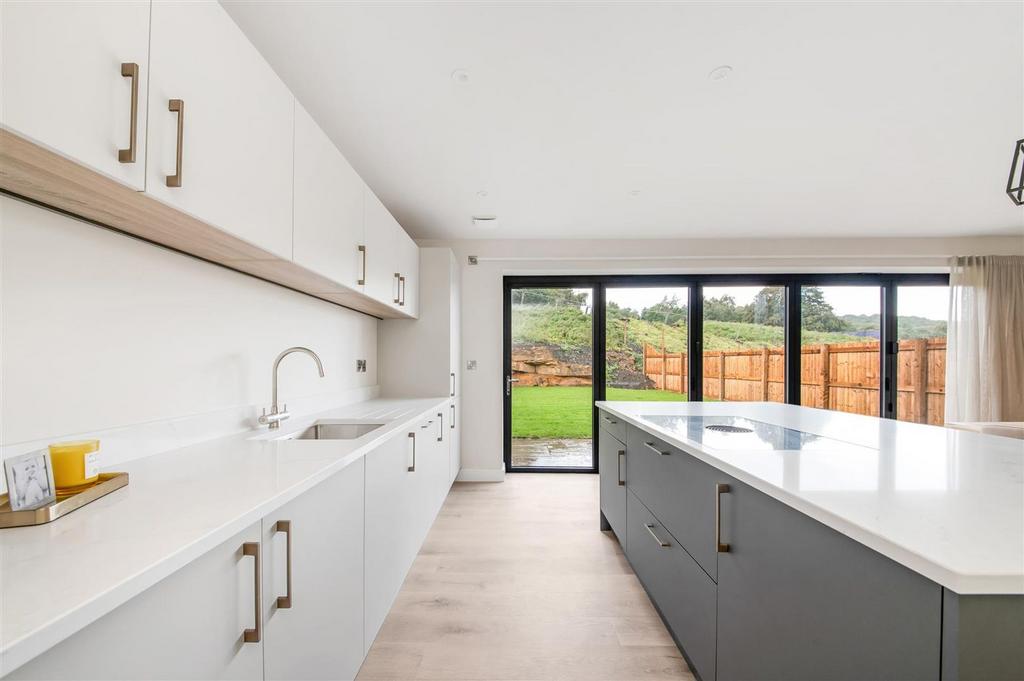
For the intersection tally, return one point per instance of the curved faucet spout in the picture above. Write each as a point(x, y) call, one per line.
point(274, 411)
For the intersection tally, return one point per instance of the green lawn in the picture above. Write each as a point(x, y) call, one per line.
point(566, 411)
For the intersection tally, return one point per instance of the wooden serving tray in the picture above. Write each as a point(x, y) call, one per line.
point(65, 504)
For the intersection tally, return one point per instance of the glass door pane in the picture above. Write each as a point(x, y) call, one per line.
point(551, 385)
point(645, 341)
point(840, 354)
point(744, 343)
point(921, 312)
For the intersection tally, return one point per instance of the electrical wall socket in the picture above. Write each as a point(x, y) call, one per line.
point(360, 366)
point(471, 365)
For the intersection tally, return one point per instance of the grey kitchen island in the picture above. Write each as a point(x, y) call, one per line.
point(783, 542)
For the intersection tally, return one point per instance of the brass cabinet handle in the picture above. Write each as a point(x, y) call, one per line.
point(440, 432)
point(720, 489)
point(650, 528)
point(362, 280)
point(130, 70)
point(622, 455)
point(452, 419)
point(412, 468)
point(453, 388)
point(254, 635)
point(397, 288)
point(401, 290)
point(178, 106)
point(650, 445)
point(286, 527)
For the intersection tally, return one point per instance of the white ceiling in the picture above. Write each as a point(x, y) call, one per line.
point(868, 119)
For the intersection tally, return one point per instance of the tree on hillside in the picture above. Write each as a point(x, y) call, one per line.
point(722, 309)
point(767, 307)
point(816, 314)
point(668, 311)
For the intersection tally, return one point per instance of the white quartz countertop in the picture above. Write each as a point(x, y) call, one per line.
point(948, 504)
point(57, 578)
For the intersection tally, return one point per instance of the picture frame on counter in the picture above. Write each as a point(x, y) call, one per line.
point(30, 480)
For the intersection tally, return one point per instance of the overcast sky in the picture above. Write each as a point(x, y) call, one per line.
point(931, 302)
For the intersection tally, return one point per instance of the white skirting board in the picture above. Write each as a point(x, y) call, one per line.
point(481, 475)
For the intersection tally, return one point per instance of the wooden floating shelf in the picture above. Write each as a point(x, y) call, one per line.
point(33, 172)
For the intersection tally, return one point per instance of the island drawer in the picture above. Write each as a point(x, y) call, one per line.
point(685, 596)
point(613, 425)
point(611, 457)
point(681, 490)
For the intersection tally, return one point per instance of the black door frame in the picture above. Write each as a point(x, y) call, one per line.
point(791, 283)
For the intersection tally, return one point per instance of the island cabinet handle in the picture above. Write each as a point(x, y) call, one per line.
point(412, 468)
point(720, 489)
point(650, 528)
point(254, 635)
point(622, 455)
point(177, 105)
point(362, 280)
point(609, 420)
point(130, 70)
point(650, 445)
point(285, 526)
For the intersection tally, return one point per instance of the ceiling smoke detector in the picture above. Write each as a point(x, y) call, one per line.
point(485, 221)
point(720, 72)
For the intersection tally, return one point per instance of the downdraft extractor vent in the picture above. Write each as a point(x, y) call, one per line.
point(722, 428)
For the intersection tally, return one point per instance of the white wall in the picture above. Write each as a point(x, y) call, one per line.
point(482, 291)
point(103, 333)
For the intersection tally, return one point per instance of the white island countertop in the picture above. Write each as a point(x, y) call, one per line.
point(57, 578)
point(948, 504)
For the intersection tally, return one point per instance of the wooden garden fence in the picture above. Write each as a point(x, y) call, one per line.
point(839, 376)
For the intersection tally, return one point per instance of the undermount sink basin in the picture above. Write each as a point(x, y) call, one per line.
point(328, 430)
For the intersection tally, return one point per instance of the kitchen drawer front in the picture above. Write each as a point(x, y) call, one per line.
point(683, 592)
point(613, 425)
point(679, 489)
point(611, 455)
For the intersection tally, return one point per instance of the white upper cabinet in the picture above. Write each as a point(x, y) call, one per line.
point(226, 156)
point(328, 206)
point(382, 261)
point(63, 86)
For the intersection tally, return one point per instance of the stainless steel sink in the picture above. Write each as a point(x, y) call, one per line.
point(335, 430)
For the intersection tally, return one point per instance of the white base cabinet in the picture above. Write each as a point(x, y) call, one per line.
point(313, 582)
point(62, 80)
point(188, 626)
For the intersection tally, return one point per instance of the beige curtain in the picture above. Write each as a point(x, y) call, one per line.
point(985, 345)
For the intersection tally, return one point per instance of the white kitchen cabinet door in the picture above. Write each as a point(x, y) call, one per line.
point(188, 626)
point(382, 258)
point(328, 206)
point(409, 267)
point(393, 522)
point(314, 623)
point(236, 125)
point(63, 86)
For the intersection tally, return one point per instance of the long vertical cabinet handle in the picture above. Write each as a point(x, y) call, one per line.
point(451, 421)
point(362, 280)
point(622, 455)
point(285, 526)
point(452, 391)
point(254, 635)
point(401, 290)
point(398, 288)
point(440, 432)
point(178, 106)
point(720, 489)
point(412, 468)
point(130, 70)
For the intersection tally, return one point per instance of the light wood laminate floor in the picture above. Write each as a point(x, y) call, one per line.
point(515, 582)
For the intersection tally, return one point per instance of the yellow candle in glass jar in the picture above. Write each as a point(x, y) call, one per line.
point(75, 464)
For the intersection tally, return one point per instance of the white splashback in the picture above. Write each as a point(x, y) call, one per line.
point(105, 335)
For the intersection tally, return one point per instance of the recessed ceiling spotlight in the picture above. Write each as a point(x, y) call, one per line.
point(482, 194)
point(485, 221)
point(460, 76)
point(634, 192)
point(720, 72)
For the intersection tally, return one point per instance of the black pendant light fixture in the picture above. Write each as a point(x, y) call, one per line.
point(1015, 183)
